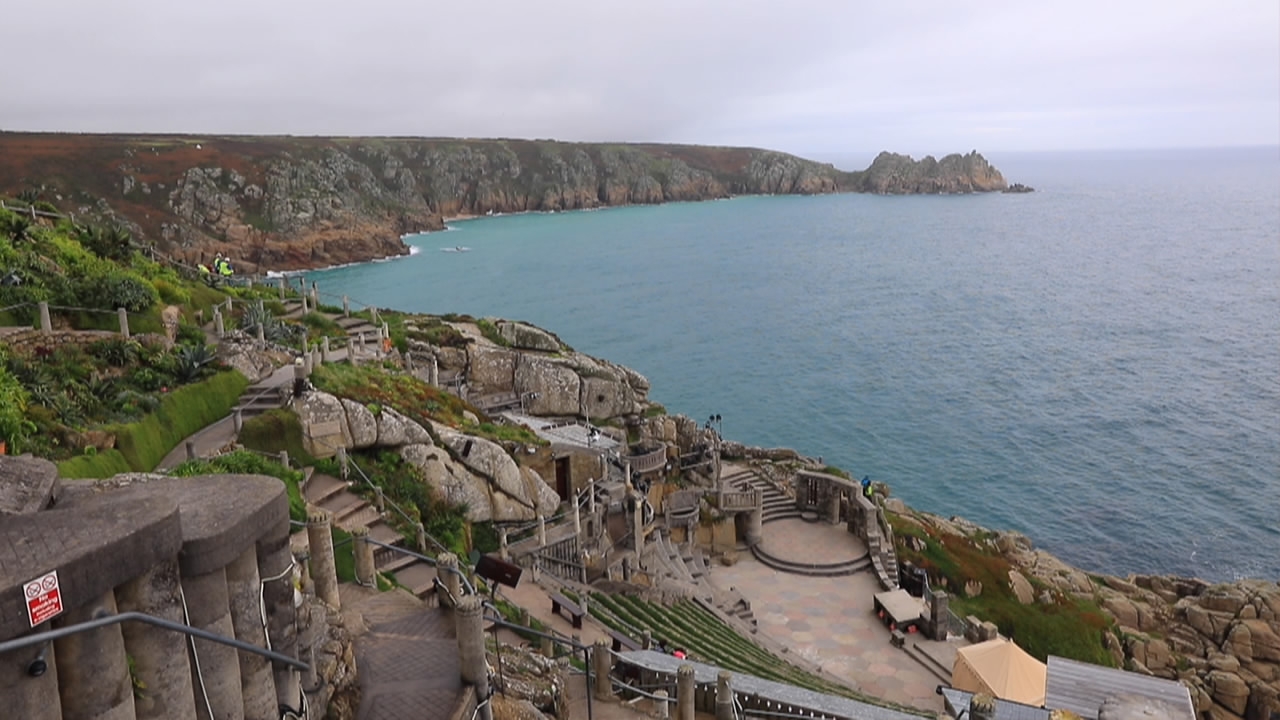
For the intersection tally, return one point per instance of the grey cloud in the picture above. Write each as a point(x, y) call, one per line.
point(923, 77)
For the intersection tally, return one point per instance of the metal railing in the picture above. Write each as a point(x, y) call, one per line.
point(47, 636)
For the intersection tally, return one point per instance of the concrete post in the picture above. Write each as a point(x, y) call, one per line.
point(435, 371)
point(315, 296)
point(503, 551)
point(219, 327)
point(237, 420)
point(602, 666)
point(755, 519)
point(939, 617)
point(420, 534)
point(343, 460)
point(124, 322)
point(257, 684)
point(262, 308)
point(577, 518)
point(646, 640)
point(684, 692)
point(447, 564)
point(275, 564)
point(833, 506)
point(46, 324)
point(360, 341)
point(191, 450)
point(469, 619)
point(159, 656)
point(26, 696)
point(93, 674)
point(262, 332)
point(637, 523)
point(408, 360)
point(208, 609)
point(542, 530)
point(365, 573)
point(373, 314)
point(662, 705)
point(316, 358)
point(303, 299)
point(284, 458)
point(547, 647)
point(323, 570)
point(324, 350)
point(306, 364)
point(346, 306)
point(379, 499)
point(282, 286)
point(724, 695)
point(591, 496)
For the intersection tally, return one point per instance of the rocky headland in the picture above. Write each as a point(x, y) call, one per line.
point(289, 203)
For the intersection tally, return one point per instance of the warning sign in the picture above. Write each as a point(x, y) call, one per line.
point(44, 598)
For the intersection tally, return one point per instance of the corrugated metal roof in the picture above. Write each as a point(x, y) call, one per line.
point(1082, 688)
point(958, 702)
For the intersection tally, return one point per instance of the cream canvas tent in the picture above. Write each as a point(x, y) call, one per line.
point(1001, 668)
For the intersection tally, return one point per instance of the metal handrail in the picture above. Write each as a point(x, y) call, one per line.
point(41, 638)
point(433, 562)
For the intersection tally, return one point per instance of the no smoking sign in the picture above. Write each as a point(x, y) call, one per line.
point(44, 598)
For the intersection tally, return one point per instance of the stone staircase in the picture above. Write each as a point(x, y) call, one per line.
point(777, 506)
point(261, 397)
point(929, 662)
point(732, 603)
point(350, 511)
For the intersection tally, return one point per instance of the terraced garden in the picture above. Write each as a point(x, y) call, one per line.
point(708, 639)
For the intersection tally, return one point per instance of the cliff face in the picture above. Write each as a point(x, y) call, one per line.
point(291, 203)
point(894, 174)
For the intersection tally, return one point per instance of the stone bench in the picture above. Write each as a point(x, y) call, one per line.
point(560, 602)
point(897, 638)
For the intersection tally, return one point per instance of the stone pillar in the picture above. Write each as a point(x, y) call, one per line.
point(324, 349)
point(547, 647)
point(25, 695)
point(160, 660)
point(662, 705)
point(284, 458)
point(282, 287)
point(303, 299)
point(323, 570)
point(503, 551)
point(373, 315)
point(577, 518)
point(447, 571)
point(982, 707)
point(591, 496)
point(262, 332)
point(869, 524)
point(237, 420)
point(219, 328)
point(939, 617)
point(346, 306)
point(724, 695)
point(344, 468)
point(755, 520)
point(315, 296)
point(365, 573)
point(46, 324)
point(475, 671)
point(542, 530)
point(257, 684)
point(307, 364)
point(316, 358)
point(93, 673)
point(420, 534)
point(684, 692)
point(646, 640)
point(435, 371)
point(208, 608)
point(191, 449)
point(124, 322)
point(601, 666)
point(637, 524)
point(833, 506)
point(275, 564)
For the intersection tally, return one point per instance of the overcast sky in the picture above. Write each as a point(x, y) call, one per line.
point(808, 76)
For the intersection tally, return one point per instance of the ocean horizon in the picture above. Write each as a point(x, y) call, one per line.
point(1096, 364)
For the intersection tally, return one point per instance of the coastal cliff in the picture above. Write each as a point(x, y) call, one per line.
point(288, 203)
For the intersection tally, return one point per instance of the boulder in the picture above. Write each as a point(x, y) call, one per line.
point(606, 398)
point(546, 500)
point(391, 431)
point(1264, 702)
point(450, 482)
point(489, 459)
point(1239, 642)
point(527, 337)
point(1209, 623)
point(1266, 643)
point(361, 423)
point(1224, 599)
point(1022, 588)
point(1136, 707)
point(1229, 691)
point(1122, 609)
point(27, 484)
point(1009, 543)
point(493, 369)
point(324, 424)
point(1224, 662)
point(557, 386)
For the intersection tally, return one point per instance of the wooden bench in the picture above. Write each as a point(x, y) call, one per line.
point(621, 641)
point(560, 602)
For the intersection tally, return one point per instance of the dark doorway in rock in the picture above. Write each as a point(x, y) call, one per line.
point(563, 486)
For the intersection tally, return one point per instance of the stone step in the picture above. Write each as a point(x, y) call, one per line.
point(321, 486)
point(384, 533)
point(396, 561)
point(339, 505)
point(360, 518)
point(418, 577)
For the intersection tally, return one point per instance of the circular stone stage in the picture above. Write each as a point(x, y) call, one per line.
point(808, 548)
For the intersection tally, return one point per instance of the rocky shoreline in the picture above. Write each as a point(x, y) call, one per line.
point(292, 203)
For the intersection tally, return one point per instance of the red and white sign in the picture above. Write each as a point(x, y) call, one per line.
point(44, 598)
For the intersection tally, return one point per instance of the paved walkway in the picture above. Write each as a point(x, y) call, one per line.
point(828, 621)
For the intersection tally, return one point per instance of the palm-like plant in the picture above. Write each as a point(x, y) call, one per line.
point(19, 229)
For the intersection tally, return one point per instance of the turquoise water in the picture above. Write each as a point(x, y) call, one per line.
point(1096, 364)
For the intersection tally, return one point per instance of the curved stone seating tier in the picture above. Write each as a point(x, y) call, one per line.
point(211, 552)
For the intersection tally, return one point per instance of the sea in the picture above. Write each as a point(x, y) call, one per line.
point(1095, 364)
